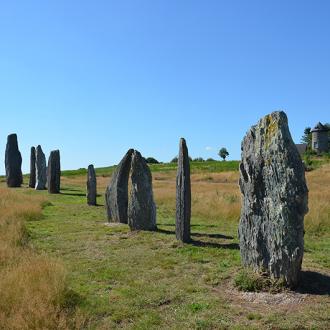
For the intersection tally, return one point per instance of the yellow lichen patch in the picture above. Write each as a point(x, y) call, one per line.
point(271, 128)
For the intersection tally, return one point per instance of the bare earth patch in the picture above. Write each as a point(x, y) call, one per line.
point(283, 298)
point(115, 224)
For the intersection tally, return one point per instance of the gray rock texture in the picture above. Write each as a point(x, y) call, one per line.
point(54, 172)
point(41, 173)
point(32, 180)
point(274, 200)
point(141, 207)
point(116, 196)
point(13, 162)
point(91, 186)
point(183, 194)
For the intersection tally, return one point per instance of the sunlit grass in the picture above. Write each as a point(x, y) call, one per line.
point(62, 267)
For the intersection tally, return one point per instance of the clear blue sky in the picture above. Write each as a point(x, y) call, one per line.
point(94, 78)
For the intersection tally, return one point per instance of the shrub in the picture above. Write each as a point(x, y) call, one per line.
point(249, 281)
point(151, 160)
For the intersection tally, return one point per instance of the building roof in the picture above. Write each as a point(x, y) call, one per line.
point(319, 128)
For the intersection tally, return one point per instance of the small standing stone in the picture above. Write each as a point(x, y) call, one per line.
point(13, 162)
point(274, 202)
point(91, 186)
point(54, 172)
point(141, 207)
point(41, 174)
point(32, 181)
point(116, 196)
point(183, 195)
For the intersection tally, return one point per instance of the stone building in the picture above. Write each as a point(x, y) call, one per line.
point(320, 138)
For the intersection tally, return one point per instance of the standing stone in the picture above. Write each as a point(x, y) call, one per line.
point(116, 196)
point(141, 207)
point(91, 186)
point(274, 201)
point(13, 162)
point(183, 194)
point(41, 174)
point(32, 181)
point(54, 172)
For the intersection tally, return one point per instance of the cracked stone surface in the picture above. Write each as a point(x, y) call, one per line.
point(116, 195)
point(13, 162)
point(183, 194)
point(141, 207)
point(91, 186)
point(274, 200)
point(41, 169)
point(54, 172)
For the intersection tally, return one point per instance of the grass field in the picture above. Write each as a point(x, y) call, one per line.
point(88, 274)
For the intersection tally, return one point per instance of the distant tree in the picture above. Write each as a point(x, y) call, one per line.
point(223, 153)
point(198, 159)
point(210, 160)
point(151, 160)
point(175, 159)
point(307, 137)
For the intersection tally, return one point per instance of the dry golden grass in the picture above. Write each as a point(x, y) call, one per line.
point(32, 287)
point(214, 195)
point(217, 195)
point(15, 209)
point(318, 217)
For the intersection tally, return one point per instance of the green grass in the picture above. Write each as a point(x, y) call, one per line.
point(196, 167)
point(136, 280)
point(148, 280)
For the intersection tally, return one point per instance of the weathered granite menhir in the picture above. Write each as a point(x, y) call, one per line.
point(117, 192)
point(41, 171)
point(139, 211)
point(183, 194)
point(274, 200)
point(54, 172)
point(91, 186)
point(141, 206)
point(13, 162)
point(32, 180)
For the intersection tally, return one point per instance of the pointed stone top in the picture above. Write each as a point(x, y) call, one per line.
point(12, 139)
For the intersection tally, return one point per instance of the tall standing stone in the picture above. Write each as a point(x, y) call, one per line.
point(91, 185)
point(54, 172)
point(32, 181)
point(41, 174)
point(116, 196)
point(13, 162)
point(183, 194)
point(141, 207)
point(274, 201)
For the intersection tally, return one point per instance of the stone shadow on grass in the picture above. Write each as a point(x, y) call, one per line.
point(170, 232)
point(195, 225)
point(314, 283)
point(230, 246)
point(73, 194)
point(212, 235)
